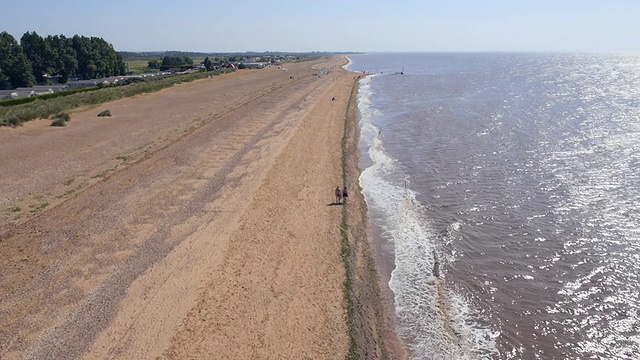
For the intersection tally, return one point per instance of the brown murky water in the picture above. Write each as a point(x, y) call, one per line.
point(518, 174)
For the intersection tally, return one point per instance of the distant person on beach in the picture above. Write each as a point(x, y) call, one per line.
point(338, 193)
point(345, 194)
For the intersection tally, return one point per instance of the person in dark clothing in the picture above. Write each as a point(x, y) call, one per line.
point(338, 193)
point(345, 194)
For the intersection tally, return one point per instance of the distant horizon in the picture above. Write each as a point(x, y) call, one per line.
point(387, 52)
point(569, 26)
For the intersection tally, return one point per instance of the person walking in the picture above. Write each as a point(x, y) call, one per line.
point(338, 193)
point(345, 195)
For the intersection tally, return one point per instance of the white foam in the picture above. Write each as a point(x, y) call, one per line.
point(438, 328)
point(347, 65)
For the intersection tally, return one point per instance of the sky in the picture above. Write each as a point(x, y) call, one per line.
point(336, 26)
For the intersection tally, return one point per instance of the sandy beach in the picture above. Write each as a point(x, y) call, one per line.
point(194, 223)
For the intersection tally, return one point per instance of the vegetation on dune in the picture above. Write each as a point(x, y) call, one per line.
point(347, 254)
point(60, 119)
point(42, 107)
point(33, 59)
point(58, 123)
point(62, 115)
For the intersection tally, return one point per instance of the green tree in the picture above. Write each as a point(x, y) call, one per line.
point(82, 47)
point(39, 54)
point(154, 64)
point(15, 70)
point(121, 65)
point(64, 58)
point(175, 60)
point(97, 58)
point(4, 80)
point(208, 64)
point(168, 61)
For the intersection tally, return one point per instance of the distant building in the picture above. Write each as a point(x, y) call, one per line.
point(8, 94)
point(43, 89)
point(254, 65)
point(81, 84)
point(31, 91)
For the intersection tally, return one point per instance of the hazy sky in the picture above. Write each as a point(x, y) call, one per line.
point(331, 25)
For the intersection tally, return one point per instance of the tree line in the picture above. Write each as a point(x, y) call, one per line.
point(170, 61)
point(26, 63)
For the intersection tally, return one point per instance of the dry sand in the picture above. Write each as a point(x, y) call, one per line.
point(193, 224)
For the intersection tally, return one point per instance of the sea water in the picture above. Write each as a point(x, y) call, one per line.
point(506, 190)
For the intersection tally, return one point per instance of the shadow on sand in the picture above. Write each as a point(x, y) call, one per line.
point(335, 204)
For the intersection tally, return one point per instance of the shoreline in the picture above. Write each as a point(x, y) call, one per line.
point(375, 325)
point(159, 239)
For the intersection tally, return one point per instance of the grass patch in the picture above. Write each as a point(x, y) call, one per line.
point(15, 209)
point(123, 157)
point(60, 119)
point(68, 192)
point(345, 249)
point(11, 120)
point(35, 208)
point(69, 181)
point(139, 66)
point(61, 115)
point(58, 122)
point(103, 174)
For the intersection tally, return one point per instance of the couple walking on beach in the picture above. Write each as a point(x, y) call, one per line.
point(341, 195)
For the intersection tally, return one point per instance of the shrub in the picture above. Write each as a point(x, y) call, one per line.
point(11, 120)
point(58, 122)
point(61, 115)
point(105, 113)
point(65, 93)
point(11, 102)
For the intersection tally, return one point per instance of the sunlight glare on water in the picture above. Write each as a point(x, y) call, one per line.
point(520, 173)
